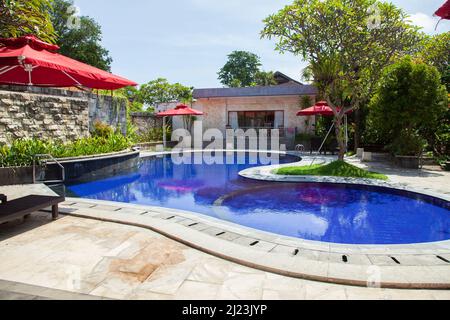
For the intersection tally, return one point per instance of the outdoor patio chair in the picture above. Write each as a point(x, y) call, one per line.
point(23, 207)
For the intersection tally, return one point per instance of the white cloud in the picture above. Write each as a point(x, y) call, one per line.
point(424, 21)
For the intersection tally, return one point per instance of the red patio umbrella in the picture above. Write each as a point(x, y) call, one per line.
point(30, 61)
point(321, 108)
point(444, 11)
point(180, 110)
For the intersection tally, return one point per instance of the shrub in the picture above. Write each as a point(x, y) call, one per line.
point(407, 144)
point(154, 135)
point(22, 151)
point(408, 105)
point(102, 130)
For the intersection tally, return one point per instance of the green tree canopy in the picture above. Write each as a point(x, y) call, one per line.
point(408, 105)
point(240, 70)
point(436, 52)
point(19, 18)
point(347, 43)
point(79, 39)
point(265, 78)
point(160, 91)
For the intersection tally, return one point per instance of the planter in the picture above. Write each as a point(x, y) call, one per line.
point(367, 156)
point(306, 143)
point(446, 166)
point(360, 152)
point(79, 169)
point(408, 162)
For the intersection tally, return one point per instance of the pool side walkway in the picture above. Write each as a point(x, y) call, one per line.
point(110, 260)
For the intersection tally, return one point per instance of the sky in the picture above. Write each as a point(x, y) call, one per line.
point(187, 41)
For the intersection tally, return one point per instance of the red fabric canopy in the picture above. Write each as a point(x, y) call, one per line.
point(180, 110)
point(444, 11)
point(321, 108)
point(30, 61)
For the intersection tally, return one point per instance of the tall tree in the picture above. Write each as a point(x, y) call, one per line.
point(240, 70)
point(79, 37)
point(435, 51)
point(347, 42)
point(160, 91)
point(265, 78)
point(19, 18)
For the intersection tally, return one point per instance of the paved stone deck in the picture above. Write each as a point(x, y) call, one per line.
point(108, 260)
point(397, 266)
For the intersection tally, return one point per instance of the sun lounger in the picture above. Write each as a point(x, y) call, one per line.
point(19, 208)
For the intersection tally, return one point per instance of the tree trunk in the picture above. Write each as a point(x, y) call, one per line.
point(340, 137)
point(357, 129)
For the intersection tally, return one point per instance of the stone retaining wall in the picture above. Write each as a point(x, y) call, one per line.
point(48, 113)
point(145, 121)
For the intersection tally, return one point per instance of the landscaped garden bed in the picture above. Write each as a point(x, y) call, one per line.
point(104, 151)
point(334, 169)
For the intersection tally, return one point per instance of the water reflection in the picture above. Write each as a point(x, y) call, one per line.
point(331, 213)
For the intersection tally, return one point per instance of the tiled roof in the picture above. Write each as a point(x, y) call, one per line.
point(280, 90)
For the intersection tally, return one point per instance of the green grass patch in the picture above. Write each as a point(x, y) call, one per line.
point(334, 169)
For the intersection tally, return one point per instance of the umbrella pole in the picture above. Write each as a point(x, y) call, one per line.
point(164, 133)
point(346, 133)
point(323, 143)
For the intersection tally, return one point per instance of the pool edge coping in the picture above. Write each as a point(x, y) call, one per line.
point(271, 261)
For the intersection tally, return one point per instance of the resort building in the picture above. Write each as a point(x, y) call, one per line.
point(263, 107)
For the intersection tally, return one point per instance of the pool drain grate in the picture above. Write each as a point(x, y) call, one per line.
point(443, 259)
point(395, 260)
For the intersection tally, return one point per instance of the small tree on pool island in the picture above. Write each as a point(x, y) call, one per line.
point(347, 44)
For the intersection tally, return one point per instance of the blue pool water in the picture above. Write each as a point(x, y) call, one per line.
point(321, 212)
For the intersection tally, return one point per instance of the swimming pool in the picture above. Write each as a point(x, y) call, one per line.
point(346, 214)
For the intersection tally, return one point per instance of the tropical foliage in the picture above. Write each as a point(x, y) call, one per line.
point(347, 44)
point(334, 169)
point(79, 39)
point(22, 151)
point(243, 70)
point(161, 91)
point(435, 51)
point(240, 70)
point(19, 18)
point(408, 107)
point(153, 134)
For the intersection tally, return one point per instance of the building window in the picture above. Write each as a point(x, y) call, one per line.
point(256, 119)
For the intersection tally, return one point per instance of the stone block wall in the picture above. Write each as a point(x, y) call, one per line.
point(63, 115)
point(145, 121)
point(110, 110)
point(29, 115)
